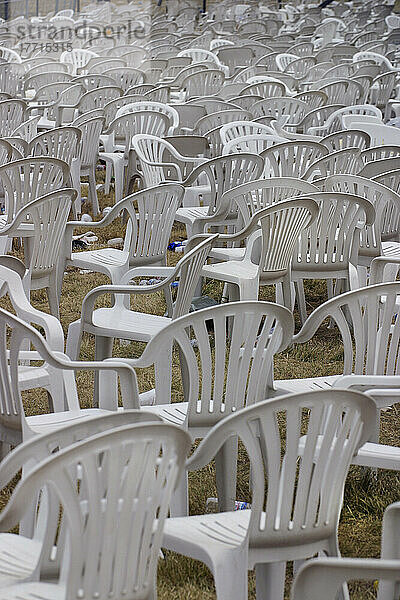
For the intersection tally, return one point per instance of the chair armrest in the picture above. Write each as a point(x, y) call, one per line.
point(126, 374)
point(330, 574)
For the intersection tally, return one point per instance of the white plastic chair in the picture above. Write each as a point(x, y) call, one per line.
point(147, 460)
point(336, 120)
point(151, 216)
point(15, 425)
point(32, 554)
point(220, 174)
point(272, 234)
point(254, 143)
point(380, 134)
point(368, 328)
point(387, 208)
point(122, 158)
point(284, 522)
point(77, 58)
point(329, 249)
point(291, 159)
point(160, 162)
point(42, 223)
point(25, 180)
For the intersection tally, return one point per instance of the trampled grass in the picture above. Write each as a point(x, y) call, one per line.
point(366, 495)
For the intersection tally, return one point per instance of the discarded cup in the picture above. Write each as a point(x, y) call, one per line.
point(86, 218)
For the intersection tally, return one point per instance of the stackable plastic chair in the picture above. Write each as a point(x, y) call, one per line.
point(25, 180)
point(132, 496)
point(333, 572)
point(368, 328)
point(336, 232)
point(238, 355)
point(296, 516)
point(221, 174)
point(292, 159)
point(16, 426)
point(151, 215)
point(276, 229)
point(120, 321)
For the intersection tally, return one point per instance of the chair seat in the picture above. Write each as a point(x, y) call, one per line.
point(224, 254)
point(231, 271)
point(198, 534)
point(105, 257)
point(191, 213)
point(18, 558)
point(34, 591)
point(287, 386)
point(170, 413)
point(126, 324)
point(39, 424)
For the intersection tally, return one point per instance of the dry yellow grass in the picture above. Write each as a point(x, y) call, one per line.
point(366, 496)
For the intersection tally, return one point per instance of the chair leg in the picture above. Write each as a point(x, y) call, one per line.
point(226, 469)
point(180, 502)
point(107, 183)
point(230, 576)
point(333, 550)
point(301, 301)
point(74, 338)
point(103, 349)
point(270, 580)
point(92, 193)
point(53, 299)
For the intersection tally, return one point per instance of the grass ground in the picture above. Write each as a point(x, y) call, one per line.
point(366, 495)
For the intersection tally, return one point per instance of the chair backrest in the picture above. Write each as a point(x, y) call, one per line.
point(342, 161)
point(203, 83)
point(265, 89)
point(348, 138)
point(385, 201)
point(292, 108)
point(226, 172)
point(296, 500)
point(113, 491)
point(380, 166)
point(376, 153)
point(26, 179)
point(61, 142)
point(254, 143)
point(160, 107)
point(369, 328)
point(237, 356)
point(258, 194)
point(235, 129)
point(329, 243)
point(152, 212)
point(291, 159)
point(12, 114)
point(222, 117)
point(90, 129)
point(98, 98)
point(48, 215)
